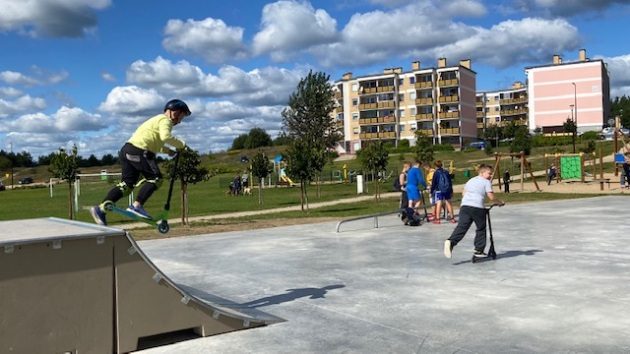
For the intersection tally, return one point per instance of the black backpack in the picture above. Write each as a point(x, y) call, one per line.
point(396, 185)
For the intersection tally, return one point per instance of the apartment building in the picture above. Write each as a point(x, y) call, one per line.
point(578, 90)
point(393, 105)
point(498, 108)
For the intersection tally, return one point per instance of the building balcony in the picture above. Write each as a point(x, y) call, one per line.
point(339, 109)
point(448, 115)
point(426, 132)
point(518, 100)
point(385, 89)
point(515, 121)
point(423, 85)
point(447, 83)
point(367, 106)
point(338, 95)
point(449, 131)
point(480, 114)
point(367, 90)
point(479, 125)
point(379, 135)
point(513, 112)
point(424, 101)
point(378, 120)
point(453, 98)
point(386, 104)
point(424, 116)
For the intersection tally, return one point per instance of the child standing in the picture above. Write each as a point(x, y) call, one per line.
point(473, 210)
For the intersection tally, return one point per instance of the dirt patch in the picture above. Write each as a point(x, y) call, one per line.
point(217, 226)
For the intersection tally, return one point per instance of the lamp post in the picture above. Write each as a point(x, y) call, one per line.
point(574, 127)
point(575, 105)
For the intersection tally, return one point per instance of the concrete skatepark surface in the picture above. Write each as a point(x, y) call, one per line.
point(560, 284)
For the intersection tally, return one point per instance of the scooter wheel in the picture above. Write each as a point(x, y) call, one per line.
point(108, 206)
point(163, 227)
point(474, 259)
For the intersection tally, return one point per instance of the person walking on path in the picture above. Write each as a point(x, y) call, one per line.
point(473, 210)
point(442, 190)
point(415, 179)
point(137, 157)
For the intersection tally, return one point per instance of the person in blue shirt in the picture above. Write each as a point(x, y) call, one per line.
point(415, 179)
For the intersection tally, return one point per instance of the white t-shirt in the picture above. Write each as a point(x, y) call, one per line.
point(475, 192)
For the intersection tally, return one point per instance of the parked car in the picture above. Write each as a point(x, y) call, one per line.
point(477, 145)
point(25, 180)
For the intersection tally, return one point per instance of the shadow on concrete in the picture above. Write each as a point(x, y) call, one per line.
point(507, 254)
point(293, 294)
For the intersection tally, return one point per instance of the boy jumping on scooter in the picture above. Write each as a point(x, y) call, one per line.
point(472, 210)
point(137, 157)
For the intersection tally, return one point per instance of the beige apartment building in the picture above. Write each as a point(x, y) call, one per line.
point(393, 105)
point(498, 108)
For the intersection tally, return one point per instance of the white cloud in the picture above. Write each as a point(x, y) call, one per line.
point(9, 92)
point(63, 18)
point(566, 7)
point(619, 71)
point(266, 86)
point(526, 40)
point(211, 39)
point(20, 105)
point(108, 77)
point(76, 119)
point(290, 26)
point(16, 78)
point(132, 100)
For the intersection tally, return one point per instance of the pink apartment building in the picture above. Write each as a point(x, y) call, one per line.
point(579, 90)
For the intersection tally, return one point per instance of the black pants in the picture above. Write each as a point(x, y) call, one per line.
point(507, 187)
point(468, 215)
point(136, 162)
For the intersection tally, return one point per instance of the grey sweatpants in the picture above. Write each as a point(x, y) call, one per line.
point(468, 215)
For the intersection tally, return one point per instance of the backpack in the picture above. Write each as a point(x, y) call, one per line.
point(409, 217)
point(443, 181)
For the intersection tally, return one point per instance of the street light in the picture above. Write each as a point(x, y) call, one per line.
point(574, 127)
point(575, 105)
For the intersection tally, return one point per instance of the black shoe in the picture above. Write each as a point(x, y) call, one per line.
point(479, 254)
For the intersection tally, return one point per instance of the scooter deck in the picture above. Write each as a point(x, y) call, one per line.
point(132, 216)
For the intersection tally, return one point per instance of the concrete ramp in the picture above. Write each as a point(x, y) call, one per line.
point(72, 287)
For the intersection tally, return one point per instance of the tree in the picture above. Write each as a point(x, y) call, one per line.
point(261, 168)
point(282, 139)
point(424, 148)
point(522, 141)
point(65, 166)
point(374, 158)
point(239, 142)
point(307, 121)
point(303, 163)
point(570, 127)
point(256, 138)
point(188, 172)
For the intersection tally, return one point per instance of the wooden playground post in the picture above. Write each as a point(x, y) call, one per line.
point(497, 158)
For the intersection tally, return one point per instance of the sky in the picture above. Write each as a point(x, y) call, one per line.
point(88, 72)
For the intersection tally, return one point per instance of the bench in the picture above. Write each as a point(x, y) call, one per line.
point(601, 182)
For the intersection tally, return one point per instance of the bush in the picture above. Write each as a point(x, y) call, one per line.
point(444, 147)
point(590, 135)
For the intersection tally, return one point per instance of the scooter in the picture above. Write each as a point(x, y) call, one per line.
point(161, 221)
point(491, 252)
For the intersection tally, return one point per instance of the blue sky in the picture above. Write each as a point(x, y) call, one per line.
point(87, 72)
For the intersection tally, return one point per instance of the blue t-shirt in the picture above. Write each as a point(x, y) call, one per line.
point(415, 178)
point(475, 192)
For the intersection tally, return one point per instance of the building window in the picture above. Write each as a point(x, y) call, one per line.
point(355, 101)
point(412, 111)
point(412, 80)
point(355, 87)
point(401, 113)
point(355, 116)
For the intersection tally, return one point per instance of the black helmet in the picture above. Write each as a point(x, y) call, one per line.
point(177, 105)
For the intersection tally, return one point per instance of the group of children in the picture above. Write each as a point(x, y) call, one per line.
point(472, 209)
point(438, 181)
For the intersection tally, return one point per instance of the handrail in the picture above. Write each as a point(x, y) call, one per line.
point(375, 216)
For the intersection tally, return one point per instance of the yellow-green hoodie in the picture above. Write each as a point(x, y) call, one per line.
point(153, 134)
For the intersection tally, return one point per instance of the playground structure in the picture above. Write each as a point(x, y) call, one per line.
point(525, 167)
point(72, 287)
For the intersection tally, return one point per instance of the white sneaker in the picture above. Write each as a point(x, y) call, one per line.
point(448, 248)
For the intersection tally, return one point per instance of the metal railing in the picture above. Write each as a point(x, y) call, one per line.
point(375, 216)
